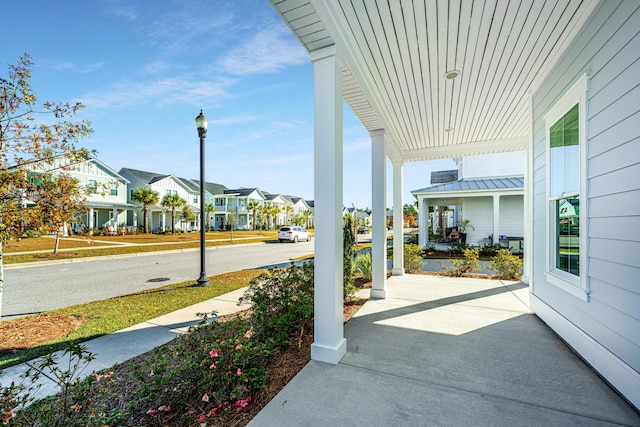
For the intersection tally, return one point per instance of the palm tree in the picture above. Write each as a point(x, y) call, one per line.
point(173, 202)
point(147, 197)
point(287, 209)
point(273, 211)
point(253, 206)
point(307, 214)
point(209, 208)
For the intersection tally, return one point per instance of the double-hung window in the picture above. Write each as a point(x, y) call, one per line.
point(566, 185)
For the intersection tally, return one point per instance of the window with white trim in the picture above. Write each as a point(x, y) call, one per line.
point(566, 181)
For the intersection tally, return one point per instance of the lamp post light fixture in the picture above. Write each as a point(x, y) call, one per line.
point(201, 124)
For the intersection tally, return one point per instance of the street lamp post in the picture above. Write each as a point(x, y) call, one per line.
point(201, 124)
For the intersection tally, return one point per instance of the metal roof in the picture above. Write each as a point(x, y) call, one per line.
point(506, 183)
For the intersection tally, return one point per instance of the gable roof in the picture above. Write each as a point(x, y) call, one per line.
point(211, 187)
point(146, 177)
point(516, 182)
point(242, 192)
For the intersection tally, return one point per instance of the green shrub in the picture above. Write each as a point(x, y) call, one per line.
point(489, 251)
point(281, 300)
point(467, 264)
point(430, 247)
point(457, 248)
point(413, 260)
point(364, 265)
point(349, 258)
point(413, 239)
point(506, 265)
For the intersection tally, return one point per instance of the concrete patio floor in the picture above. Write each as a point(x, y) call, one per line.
point(444, 351)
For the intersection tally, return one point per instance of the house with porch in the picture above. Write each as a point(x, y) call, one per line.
point(210, 190)
point(107, 196)
point(159, 216)
point(432, 80)
point(234, 205)
point(488, 191)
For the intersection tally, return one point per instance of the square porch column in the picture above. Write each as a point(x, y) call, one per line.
point(379, 209)
point(398, 221)
point(423, 221)
point(496, 218)
point(329, 344)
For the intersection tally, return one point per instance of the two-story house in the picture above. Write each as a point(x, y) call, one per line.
point(159, 216)
point(106, 199)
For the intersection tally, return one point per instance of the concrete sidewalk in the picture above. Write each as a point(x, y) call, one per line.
point(444, 351)
point(135, 340)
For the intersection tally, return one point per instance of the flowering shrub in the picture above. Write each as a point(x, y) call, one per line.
point(211, 371)
point(281, 300)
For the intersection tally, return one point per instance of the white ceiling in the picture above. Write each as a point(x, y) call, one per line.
point(397, 52)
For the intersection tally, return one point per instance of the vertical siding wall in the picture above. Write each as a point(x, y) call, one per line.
point(608, 51)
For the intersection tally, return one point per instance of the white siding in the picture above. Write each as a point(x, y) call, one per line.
point(607, 50)
point(478, 210)
point(493, 165)
point(512, 216)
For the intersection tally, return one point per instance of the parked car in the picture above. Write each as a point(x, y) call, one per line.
point(293, 234)
point(363, 230)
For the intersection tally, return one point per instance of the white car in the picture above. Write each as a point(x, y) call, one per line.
point(293, 233)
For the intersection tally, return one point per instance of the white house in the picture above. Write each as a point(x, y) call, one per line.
point(107, 199)
point(235, 204)
point(160, 217)
point(559, 80)
point(489, 192)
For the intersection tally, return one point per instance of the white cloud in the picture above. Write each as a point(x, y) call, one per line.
point(158, 92)
point(269, 50)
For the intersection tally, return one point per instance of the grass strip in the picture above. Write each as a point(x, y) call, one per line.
point(111, 315)
point(118, 250)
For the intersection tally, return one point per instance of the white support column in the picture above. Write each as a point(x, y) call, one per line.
point(91, 224)
point(398, 221)
point(135, 218)
point(115, 217)
point(496, 218)
point(379, 209)
point(329, 344)
point(423, 222)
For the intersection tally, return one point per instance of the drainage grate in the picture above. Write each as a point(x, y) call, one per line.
point(158, 279)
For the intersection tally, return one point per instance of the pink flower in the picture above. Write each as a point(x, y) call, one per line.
point(213, 352)
point(249, 333)
point(213, 366)
point(205, 398)
point(201, 418)
point(165, 408)
point(152, 411)
point(77, 407)
point(239, 346)
point(238, 372)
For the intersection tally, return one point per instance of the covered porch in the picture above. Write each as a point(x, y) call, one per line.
point(449, 352)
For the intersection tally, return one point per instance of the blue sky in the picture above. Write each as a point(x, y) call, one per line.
point(144, 70)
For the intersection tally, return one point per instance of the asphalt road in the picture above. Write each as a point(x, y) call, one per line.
point(33, 289)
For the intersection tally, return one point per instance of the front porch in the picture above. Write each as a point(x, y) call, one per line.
point(449, 352)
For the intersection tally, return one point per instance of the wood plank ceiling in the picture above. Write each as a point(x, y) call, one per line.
point(398, 54)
